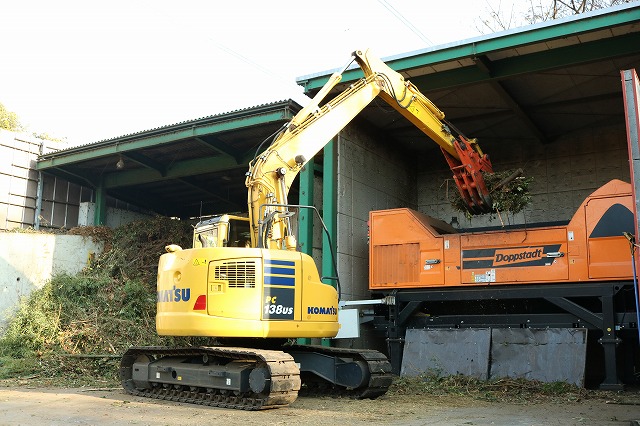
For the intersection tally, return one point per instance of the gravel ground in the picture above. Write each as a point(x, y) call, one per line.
point(22, 405)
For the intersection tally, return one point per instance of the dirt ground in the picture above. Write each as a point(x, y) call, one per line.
point(87, 406)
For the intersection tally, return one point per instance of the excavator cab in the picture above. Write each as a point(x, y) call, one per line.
point(222, 231)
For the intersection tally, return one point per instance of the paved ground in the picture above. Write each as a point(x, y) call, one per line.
point(29, 406)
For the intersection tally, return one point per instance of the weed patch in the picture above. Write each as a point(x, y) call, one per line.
point(103, 310)
point(516, 391)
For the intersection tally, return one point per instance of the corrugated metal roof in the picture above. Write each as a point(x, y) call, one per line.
point(179, 169)
point(172, 127)
point(543, 36)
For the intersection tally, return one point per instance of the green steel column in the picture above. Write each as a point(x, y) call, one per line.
point(100, 214)
point(305, 227)
point(329, 213)
point(329, 208)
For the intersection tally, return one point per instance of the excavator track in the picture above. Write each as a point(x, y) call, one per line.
point(374, 365)
point(271, 379)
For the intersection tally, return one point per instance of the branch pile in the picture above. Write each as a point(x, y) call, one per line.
point(108, 307)
point(507, 197)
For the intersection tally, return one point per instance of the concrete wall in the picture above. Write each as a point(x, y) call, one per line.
point(28, 261)
point(61, 201)
point(564, 172)
point(19, 184)
point(115, 217)
point(371, 176)
point(318, 232)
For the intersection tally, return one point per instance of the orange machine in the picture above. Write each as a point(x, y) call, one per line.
point(411, 250)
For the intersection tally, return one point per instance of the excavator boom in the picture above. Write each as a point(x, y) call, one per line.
point(272, 172)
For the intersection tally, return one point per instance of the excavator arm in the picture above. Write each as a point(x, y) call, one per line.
point(272, 172)
point(464, 156)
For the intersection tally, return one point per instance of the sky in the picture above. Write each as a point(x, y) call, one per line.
point(88, 71)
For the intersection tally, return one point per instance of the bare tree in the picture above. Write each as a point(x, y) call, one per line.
point(499, 19)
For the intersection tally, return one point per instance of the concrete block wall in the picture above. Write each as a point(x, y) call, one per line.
point(564, 173)
point(29, 260)
point(318, 232)
point(115, 217)
point(18, 182)
point(61, 201)
point(19, 186)
point(371, 175)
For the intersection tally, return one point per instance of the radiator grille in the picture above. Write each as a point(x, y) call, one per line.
point(236, 273)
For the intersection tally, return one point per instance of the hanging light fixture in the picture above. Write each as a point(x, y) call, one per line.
point(120, 163)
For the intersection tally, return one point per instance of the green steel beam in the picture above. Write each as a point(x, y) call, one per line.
point(177, 170)
point(162, 136)
point(329, 209)
point(74, 177)
point(329, 215)
point(146, 162)
point(487, 67)
point(532, 63)
point(566, 56)
point(305, 237)
point(221, 147)
point(218, 196)
point(507, 40)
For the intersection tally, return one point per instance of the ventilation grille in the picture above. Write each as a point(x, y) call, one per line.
point(236, 273)
point(394, 265)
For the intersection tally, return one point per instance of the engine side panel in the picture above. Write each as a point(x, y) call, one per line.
point(243, 292)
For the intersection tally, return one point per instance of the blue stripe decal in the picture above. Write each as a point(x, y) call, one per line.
point(268, 279)
point(280, 262)
point(282, 271)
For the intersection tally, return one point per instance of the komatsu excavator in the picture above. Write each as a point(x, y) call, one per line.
point(244, 282)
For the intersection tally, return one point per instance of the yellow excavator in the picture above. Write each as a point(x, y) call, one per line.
point(244, 283)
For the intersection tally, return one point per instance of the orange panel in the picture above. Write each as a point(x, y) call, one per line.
point(507, 257)
point(396, 263)
point(609, 252)
point(410, 250)
point(406, 249)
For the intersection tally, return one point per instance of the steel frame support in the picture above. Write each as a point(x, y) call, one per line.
point(100, 214)
point(305, 222)
point(610, 343)
point(631, 99)
point(409, 301)
point(329, 208)
point(556, 320)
